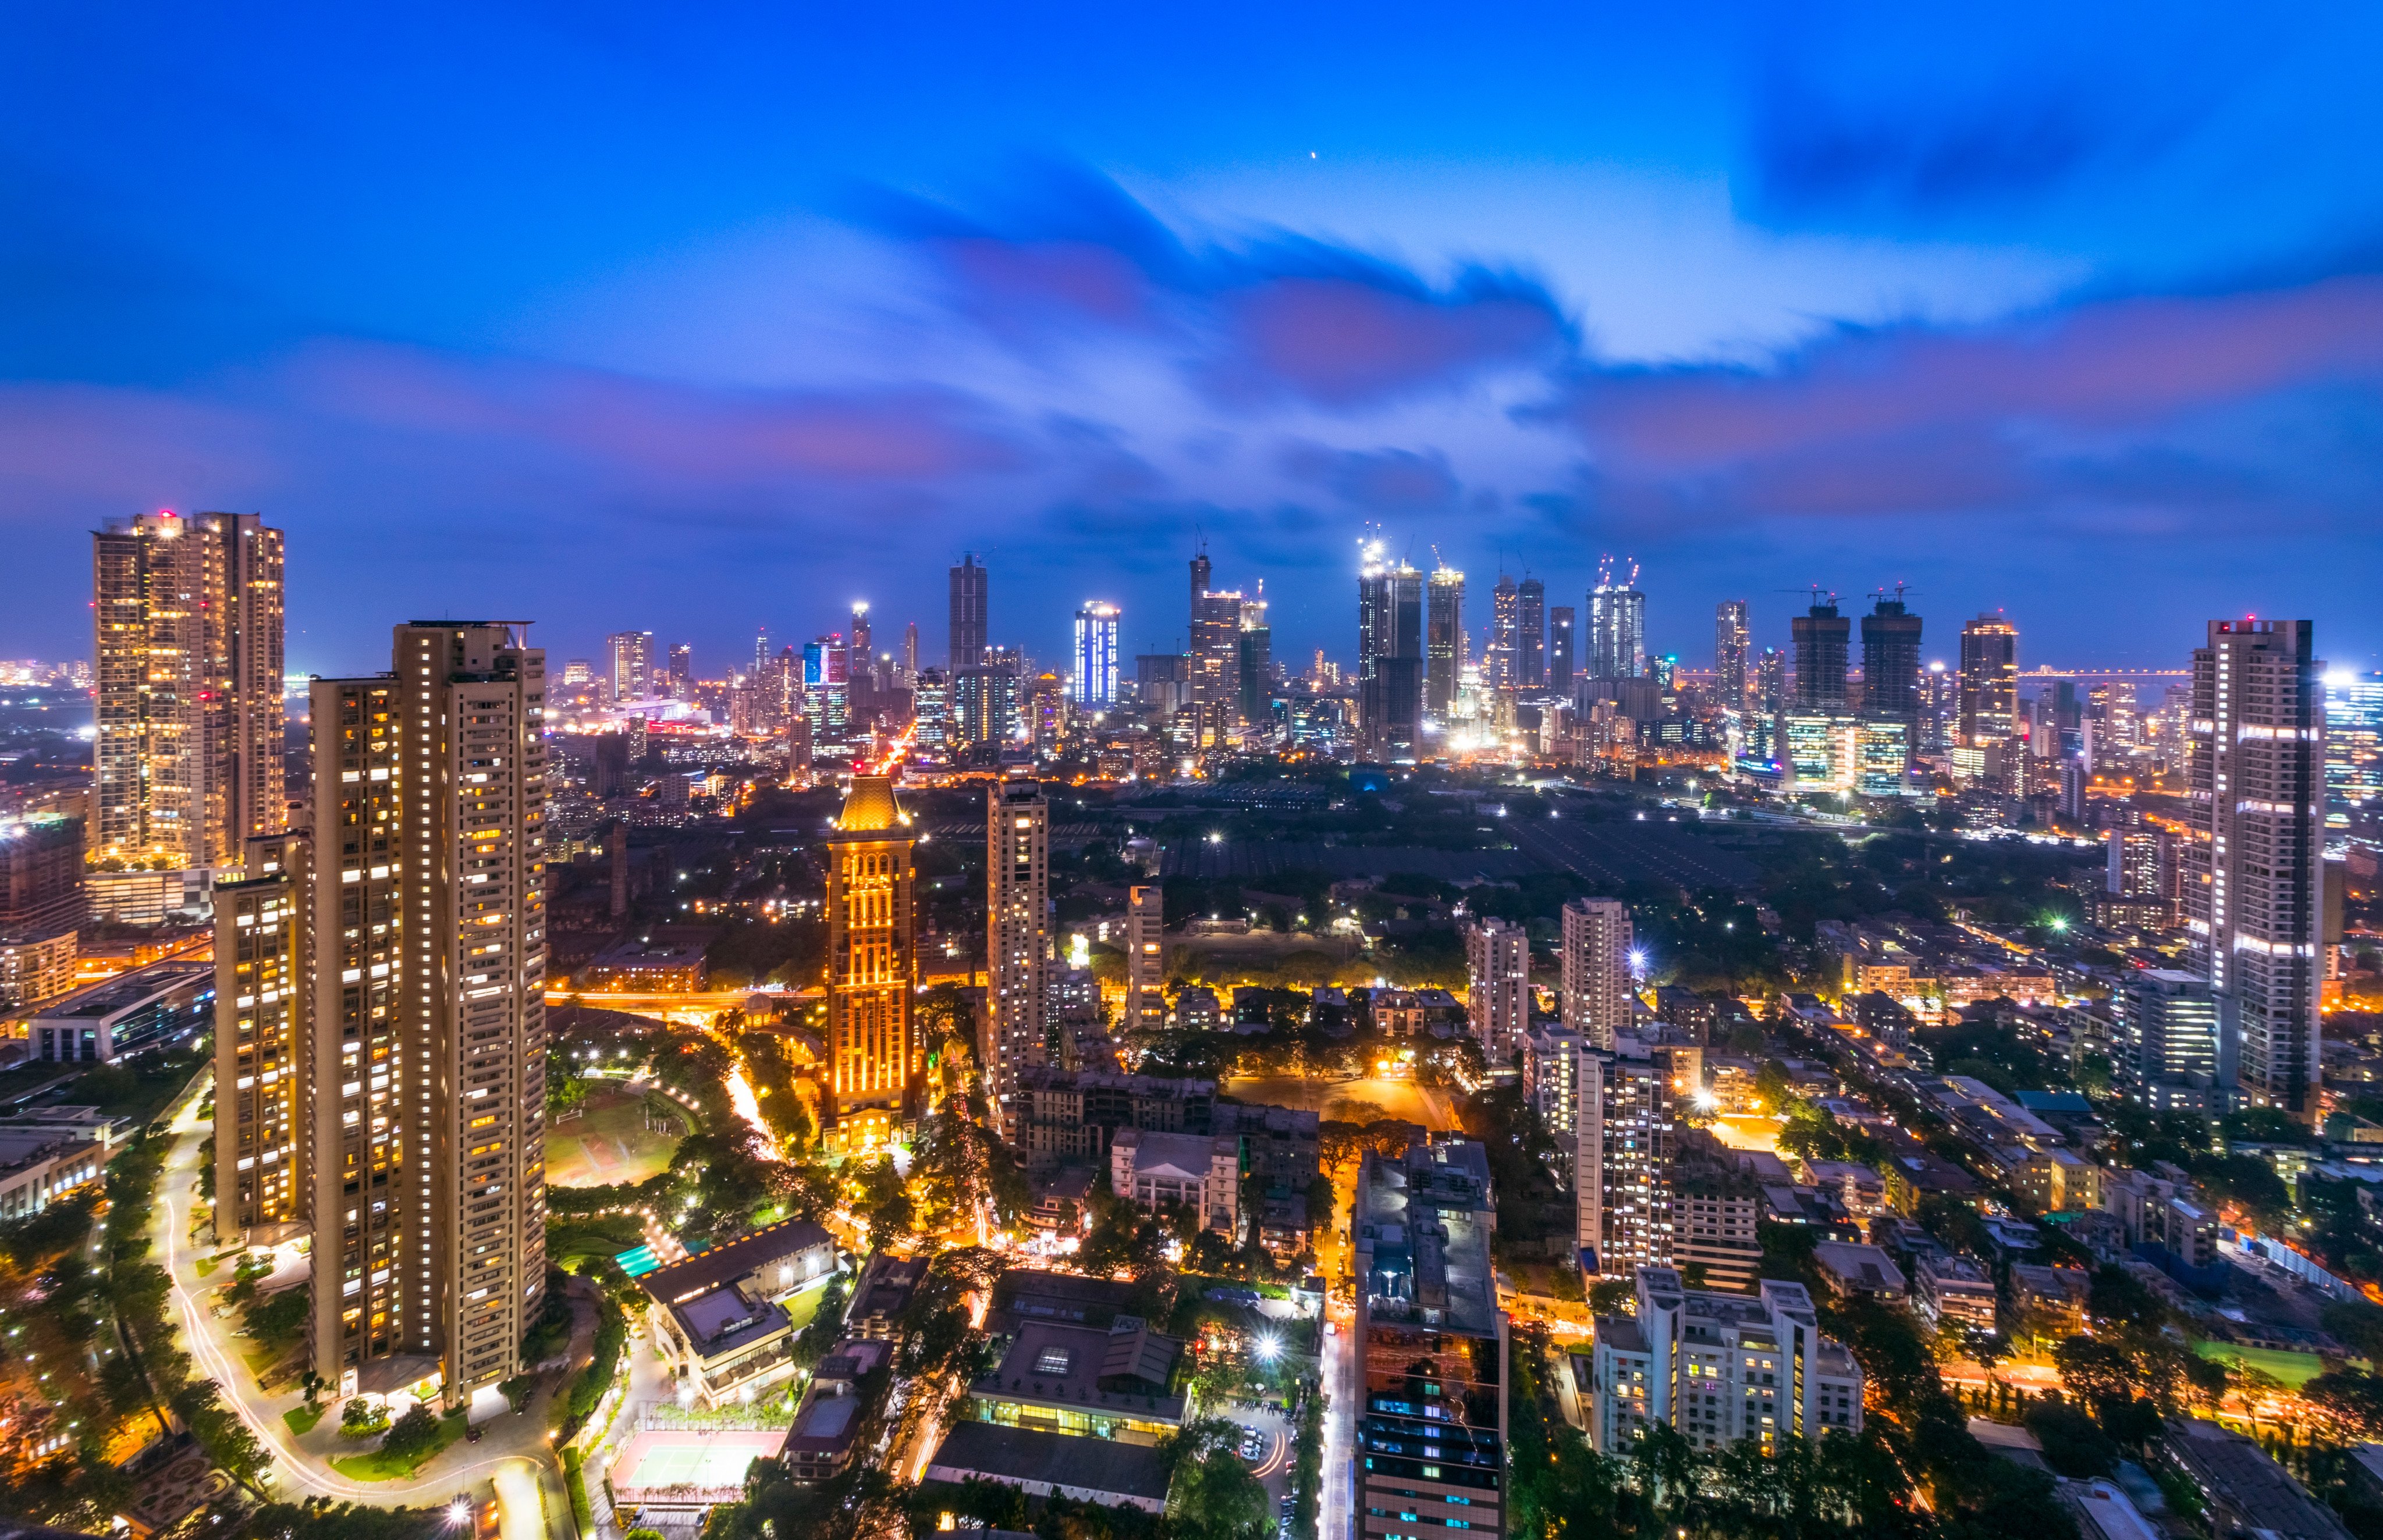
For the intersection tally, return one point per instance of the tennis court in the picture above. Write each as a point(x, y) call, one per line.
point(711, 1460)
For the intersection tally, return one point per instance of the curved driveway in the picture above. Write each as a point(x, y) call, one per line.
point(295, 1472)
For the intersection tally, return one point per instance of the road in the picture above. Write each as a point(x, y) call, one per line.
point(294, 1473)
point(1336, 1516)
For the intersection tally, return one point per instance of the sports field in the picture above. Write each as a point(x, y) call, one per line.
point(2292, 1370)
point(608, 1144)
point(656, 1461)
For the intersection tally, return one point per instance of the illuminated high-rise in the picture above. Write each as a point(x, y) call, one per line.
point(968, 635)
point(630, 656)
point(1497, 988)
point(1502, 667)
point(1820, 636)
point(1890, 635)
point(1145, 959)
point(1731, 638)
point(1596, 971)
point(2353, 754)
point(1617, 625)
point(188, 621)
point(1443, 641)
point(470, 1094)
point(1560, 649)
point(1018, 941)
point(2254, 866)
point(1531, 634)
point(1989, 710)
point(1096, 654)
point(873, 1052)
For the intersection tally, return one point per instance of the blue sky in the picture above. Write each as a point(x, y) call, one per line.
point(621, 319)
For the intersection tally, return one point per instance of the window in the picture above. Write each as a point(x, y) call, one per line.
point(1054, 1361)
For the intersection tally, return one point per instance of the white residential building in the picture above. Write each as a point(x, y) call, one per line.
point(1720, 1368)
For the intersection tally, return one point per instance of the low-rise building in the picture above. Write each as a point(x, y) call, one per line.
point(880, 1295)
point(825, 1434)
point(1859, 1188)
point(1858, 1271)
point(717, 1326)
point(1720, 1368)
point(1085, 1382)
point(154, 1006)
point(1956, 1289)
point(1716, 1215)
point(2247, 1493)
point(1199, 1171)
point(2059, 1295)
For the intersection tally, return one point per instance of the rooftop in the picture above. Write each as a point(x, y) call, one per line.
point(1426, 1250)
point(739, 1259)
point(1096, 1467)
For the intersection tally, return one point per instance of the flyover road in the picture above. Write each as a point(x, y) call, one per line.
point(512, 1451)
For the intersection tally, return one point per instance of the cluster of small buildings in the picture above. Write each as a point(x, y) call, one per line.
point(1158, 1141)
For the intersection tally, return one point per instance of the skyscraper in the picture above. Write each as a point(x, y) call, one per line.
point(682, 672)
point(317, 1000)
point(1560, 649)
point(188, 620)
point(859, 663)
point(1890, 665)
point(1497, 988)
point(1096, 654)
point(1389, 611)
point(1253, 665)
point(1617, 625)
point(1018, 887)
point(1621, 1163)
point(2353, 754)
point(1502, 667)
point(630, 660)
point(1390, 659)
point(1443, 633)
point(1820, 636)
point(910, 654)
point(364, 1000)
point(262, 1047)
point(390, 962)
point(1594, 969)
point(1731, 639)
point(1988, 710)
point(471, 855)
point(1145, 959)
point(2254, 869)
point(873, 1052)
point(968, 614)
point(1531, 634)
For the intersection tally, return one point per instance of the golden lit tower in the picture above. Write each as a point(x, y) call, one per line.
point(361, 1204)
point(188, 615)
point(262, 947)
point(873, 965)
point(469, 1098)
point(1017, 899)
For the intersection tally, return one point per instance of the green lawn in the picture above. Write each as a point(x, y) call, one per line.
point(802, 1308)
point(2292, 1370)
point(302, 1418)
point(378, 1466)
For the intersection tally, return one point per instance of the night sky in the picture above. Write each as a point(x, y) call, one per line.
point(615, 318)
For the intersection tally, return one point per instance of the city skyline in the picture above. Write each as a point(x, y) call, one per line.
point(1756, 308)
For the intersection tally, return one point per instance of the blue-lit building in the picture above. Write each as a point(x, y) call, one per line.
point(156, 1007)
point(1096, 654)
point(2354, 756)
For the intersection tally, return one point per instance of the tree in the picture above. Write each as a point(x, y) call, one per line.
point(413, 1437)
point(2349, 1400)
point(1213, 1495)
point(2096, 1369)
